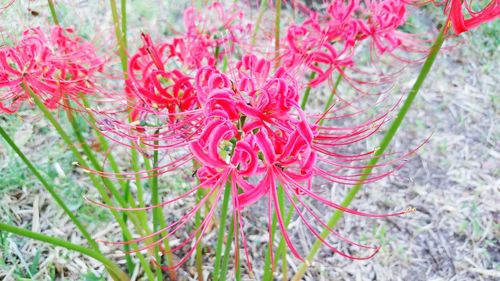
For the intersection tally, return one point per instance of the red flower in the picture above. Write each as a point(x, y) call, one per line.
point(50, 66)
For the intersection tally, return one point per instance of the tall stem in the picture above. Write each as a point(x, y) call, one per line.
point(51, 190)
point(112, 268)
point(225, 260)
point(120, 37)
point(100, 188)
point(262, 9)
point(305, 98)
point(222, 229)
point(199, 246)
point(330, 98)
point(158, 217)
point(53, 12)
point(277, 34)
point(156, 211)
point(383, 146)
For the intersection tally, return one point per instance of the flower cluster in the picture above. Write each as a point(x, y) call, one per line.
point(239, 124)
point(326, 41)
point(48, 65)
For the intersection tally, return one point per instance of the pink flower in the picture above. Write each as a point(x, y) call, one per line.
point(50, 66)
point(326, 41)
point(153, 87)
point(255, 139)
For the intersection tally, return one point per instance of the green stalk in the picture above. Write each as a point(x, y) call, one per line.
point(225, 260)
point(307, 92)
point(238, 268)
point(199, 247)
point(53, 12)
point(123, 5)
point(281, 251)
point(126, 247)
point(51, 190)
point(383, 146)
point(95, 163)
point(262, 9)
point(268, 268)
point(102, 141)
point(330, 98)
point(88, 151)
point(102, 191)
point(281, 203)
point(277, 34)
point(111, 267)
point(222, 229)
point(120, 37)
point(114, 166)
point(156, 211)
point(159, 218)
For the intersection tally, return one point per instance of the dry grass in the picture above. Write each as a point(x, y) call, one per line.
point(453, 182)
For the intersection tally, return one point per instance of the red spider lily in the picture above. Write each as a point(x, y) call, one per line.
point(326, 42)
point(255, 139)
point(210, 34)
point(153, 87)
point(50, 66)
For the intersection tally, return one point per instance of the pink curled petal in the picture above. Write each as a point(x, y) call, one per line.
point(266, 147)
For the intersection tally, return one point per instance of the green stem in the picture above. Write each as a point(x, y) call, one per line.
point(158, 216)
point(383, 146)
point(262, 9)
point(92, 177)
point(114, 166)
point(53, 12)
point(199, 246)
point(126, 247)
point(102, 141)
point(156, 212)
point(277, 34)
point(112, 268)
point(123, 5)
point(307, 92)
point(225, 260)
point(95, 163)
point(49, 188)
point(238, 267)
point(222, 229)
point(330, 98)
point(120, 37)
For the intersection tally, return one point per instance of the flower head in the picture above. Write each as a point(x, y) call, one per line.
point(50, 65)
